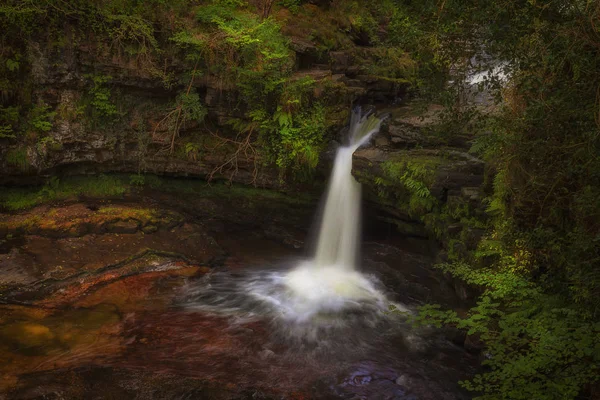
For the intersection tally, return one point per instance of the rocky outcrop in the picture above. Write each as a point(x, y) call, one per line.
point(456, 172)
point(134, 140)
point(452, 175)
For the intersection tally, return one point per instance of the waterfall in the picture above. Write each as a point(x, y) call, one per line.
point(329, 282)
point(338, 239)
point(316, 293)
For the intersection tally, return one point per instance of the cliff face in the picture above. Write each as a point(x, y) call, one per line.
point(126, 129)
point(98, 109)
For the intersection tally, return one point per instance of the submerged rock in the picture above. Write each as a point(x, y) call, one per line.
point(27, 335)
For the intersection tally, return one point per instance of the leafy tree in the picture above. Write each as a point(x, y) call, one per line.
point(538, 265)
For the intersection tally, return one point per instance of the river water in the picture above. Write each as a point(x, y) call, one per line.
point(214, 304)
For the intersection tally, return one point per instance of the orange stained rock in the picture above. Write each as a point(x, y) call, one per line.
point(129, 293)
point(68, 338)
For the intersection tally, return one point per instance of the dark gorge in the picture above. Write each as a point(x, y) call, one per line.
point(292, 199)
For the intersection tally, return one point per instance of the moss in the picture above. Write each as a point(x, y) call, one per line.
point(110, 186)
point(228, 191)
point(18, 158)
point(76, 220)
point(102, 186)
point(18, 199)
point(144, 216)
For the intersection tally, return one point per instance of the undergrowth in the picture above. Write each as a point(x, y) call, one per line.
point(116, 186)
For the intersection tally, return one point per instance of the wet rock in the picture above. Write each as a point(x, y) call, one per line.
point(316, 74)
point(472, 194)
point(403, 380)
point(340, 61)
point(77, 220)
point(27, 334)
point(123, 227)
point(301, 45)
point(405, 135)
point(454, 229)
point(17, 267)
point(149, 229)
point(78, 230)
point(266, 353)
point(473, 236)
point(382, 141)
point(413, 116)
point(410, 228)
point(461, 170)
point(473, 344)
point(450, 171)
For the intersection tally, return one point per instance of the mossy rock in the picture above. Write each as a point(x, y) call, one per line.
point(128, 226)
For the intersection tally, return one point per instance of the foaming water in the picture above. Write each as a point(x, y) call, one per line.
point(319, 298)
point(329, 289)
point(330, 311)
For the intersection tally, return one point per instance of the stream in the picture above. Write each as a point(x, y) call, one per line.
point(158, 297)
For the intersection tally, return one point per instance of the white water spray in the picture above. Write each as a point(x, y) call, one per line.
point(339, 231)
point(329, 282)
point(321, 293)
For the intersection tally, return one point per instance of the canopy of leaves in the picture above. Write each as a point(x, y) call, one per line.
point(539, 265)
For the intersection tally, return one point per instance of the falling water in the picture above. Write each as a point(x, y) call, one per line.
point(339, 231)
point(318, 292)
point(320, 322)
point(329, 282)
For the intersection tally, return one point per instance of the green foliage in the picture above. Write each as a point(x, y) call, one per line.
point(48, 143)
point(228, 43)
point(40, 118)
point(293, 136)
point(423, 30)
point(191, 107)
point(292, 5)
point(192, 151)
point(14, 199)
point(18, 158)
point(409, 182)
point(538, 264)
point(456, 120)
point(187, 108)
point(101, 102)
point(282, 111)
point(392, 63)
point(13, 64)
point(9, 117)
point(131, 33)
point(262, 57)
point(544, 145)
point(300, 138)
point(194, 46)
point(137, 180)
point(51, 188)
point(529, 335)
